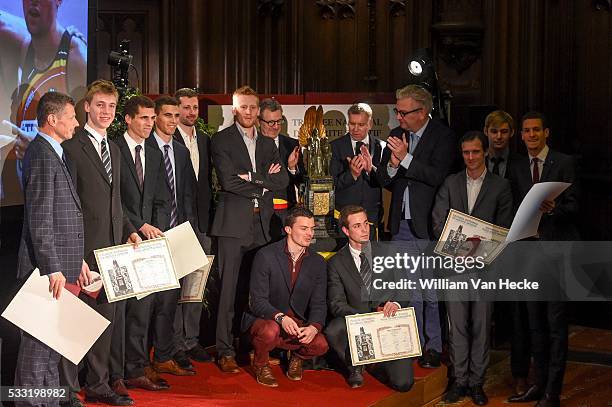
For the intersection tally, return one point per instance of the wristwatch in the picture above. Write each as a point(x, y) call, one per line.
point(279, 318)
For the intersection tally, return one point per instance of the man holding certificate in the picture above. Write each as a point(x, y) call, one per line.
point(349, 277)
point(486, 196)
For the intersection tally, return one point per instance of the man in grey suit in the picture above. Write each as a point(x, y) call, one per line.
point(52, 237)
point(488, 197)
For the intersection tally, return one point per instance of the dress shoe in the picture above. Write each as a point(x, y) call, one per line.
point(73, 401)
point(294, 370)
point(228, 364)
point(171, 367)
point(549, 400)
point(534, 393)
point(455, 393)
point(520, 386)
point(118, 387)
point(430, 360)
point(182, 360)
point(111, 399)
point(143, 382)
point(478, 396)
point(271, 360)
point(264, 376)
point(355, 379)
point(155, 377)
point(199, 354)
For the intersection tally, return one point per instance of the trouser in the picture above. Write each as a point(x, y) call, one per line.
point(520, 349)
point(396, 374)
point(277, 224)
point(267, 335)
point(163, 310)
point(470, 327)
point(235, 257)
point(118, 348)
point(137, 321)
point(187, 326)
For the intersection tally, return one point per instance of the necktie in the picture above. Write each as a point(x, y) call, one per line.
point(106, 162)
point(496, 161)
point(138, 164)
point(170, 178)
point(358, 147)
point(536, 170)
point(366, 272)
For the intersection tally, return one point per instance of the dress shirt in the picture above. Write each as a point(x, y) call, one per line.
point(503, 165)
point(161, 143)
point(191, 142)
point(541, 158)
point(57, 147)
point(473, 189)
point(132, 146)
point(96, 139)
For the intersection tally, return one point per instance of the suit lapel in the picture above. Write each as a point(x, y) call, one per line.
point(92, 154)
point(547, 167)
point(178, 169)
point(127, 154)
point(283, 263)
point(239, 143)
point(62, 165)
point(349, 265)
point(486, 183)
point(150, 167)
point(462, 187)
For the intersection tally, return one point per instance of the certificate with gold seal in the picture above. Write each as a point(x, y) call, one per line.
point(375, 338)
point(129, 272)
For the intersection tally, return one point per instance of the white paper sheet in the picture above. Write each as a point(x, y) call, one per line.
point(68, 325)
point(527, 218)
point(186, 250)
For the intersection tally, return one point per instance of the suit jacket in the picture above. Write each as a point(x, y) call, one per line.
point(366, 190)
point(235, 205)
point(493, 203)
point(185, 181)
point(52, 236)
point(203, 187)
point(433, 159)
point(561, 223)
point(345, 285)
point(286, 145)
point(104, 221)
point(512, 158)
point(151, 204)
point(270, 287)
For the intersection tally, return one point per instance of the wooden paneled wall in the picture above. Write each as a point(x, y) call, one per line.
point(551, 55)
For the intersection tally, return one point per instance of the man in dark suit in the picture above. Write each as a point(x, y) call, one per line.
point(418, 157)
point(349, 276)
point(248, 168)
point(488, 197)
point(355, 160)
point(187, 318)
point(499, 129)
point(95, 166)
point(270, 122)
point(52, 236)
point(547, 319)
point(287, 299)
point(180, 182)
point(145, 200)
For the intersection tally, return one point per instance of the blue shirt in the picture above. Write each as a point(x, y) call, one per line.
point(57, 147)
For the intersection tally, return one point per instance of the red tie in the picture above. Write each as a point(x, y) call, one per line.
point(536, 170)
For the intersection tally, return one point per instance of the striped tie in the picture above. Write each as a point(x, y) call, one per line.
point(170, 178)
point(106, 161)
point(366, 272)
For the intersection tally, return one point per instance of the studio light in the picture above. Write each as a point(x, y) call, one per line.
point(422, 72)
point(121, 61)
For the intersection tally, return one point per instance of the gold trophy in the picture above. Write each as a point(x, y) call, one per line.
point(317, 192)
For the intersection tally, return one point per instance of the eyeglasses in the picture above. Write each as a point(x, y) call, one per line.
point(273, 122)
point(403, 113)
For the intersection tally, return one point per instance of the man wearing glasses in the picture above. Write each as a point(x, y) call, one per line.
point(270, 124)
point(418, 157)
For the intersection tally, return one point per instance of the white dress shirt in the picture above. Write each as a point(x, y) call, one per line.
point(473, 188)
point(191, 142)
point(132, 146)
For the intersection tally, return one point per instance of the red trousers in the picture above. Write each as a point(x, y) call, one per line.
point(267, 335)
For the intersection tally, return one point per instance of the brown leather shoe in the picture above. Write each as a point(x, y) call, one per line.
point(294, 370)
point(264, 376)
point(271, 361)
point(155, 377)
point(118, 387)
point(228, 364)
point(170, 366)
point(143, 382)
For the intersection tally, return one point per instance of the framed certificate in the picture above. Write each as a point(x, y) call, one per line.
point(128, 272)
point(466, 236)
point(375, 338)
point(193, 284)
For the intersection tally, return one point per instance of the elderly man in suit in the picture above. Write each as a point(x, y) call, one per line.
point(249, 169)
point(349, 276)
point(486, 196)
point(95, 165)
point(548, 329)
point(145, 199)
point(52, 237)
point(287, 299)
point(187, 319)
point(355, 160)
point(418, 157)
point(270, 122)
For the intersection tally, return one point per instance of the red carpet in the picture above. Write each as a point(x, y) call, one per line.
point(210, 387)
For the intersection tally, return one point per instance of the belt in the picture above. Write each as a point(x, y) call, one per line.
point(256, 210)
point(280, 204)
